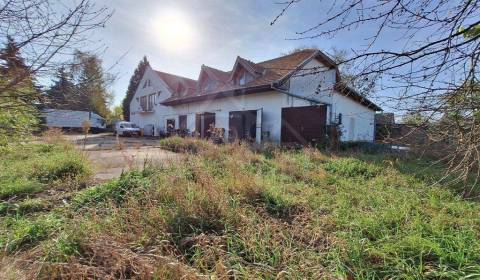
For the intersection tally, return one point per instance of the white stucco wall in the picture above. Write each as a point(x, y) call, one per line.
point(271, 103)
point(157, 117)
point(362, 118)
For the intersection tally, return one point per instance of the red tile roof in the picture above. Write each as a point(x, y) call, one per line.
point(265, 73)
point(173, 81)
point(216, 74)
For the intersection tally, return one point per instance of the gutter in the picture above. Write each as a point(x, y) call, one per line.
point(217, 95)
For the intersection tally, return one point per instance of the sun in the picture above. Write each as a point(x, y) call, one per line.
point(172, 30)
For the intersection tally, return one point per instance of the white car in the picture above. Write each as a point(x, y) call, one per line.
point(126, 129)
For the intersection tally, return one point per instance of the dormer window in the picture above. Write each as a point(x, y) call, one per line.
point(243, 77)
point(209, 85)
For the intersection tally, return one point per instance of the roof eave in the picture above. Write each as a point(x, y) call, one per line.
point(362, 100)
point(218, 95)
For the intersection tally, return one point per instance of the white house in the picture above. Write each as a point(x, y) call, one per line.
point(292, 98)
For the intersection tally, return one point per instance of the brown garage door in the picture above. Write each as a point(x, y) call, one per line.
point(303, 125)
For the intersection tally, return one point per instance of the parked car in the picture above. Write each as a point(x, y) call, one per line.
point(124, 128)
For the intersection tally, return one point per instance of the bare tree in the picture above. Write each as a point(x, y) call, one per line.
point(44, 30)
point(431, 68)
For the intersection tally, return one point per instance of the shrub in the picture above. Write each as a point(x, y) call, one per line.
point(59, 166)
point(184, 145)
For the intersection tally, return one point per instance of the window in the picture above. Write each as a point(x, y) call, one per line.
point(243, 77)
point(147, 102)
point(170, 125)
point(339, 121)
point(151, 99)
point(147, 83)
point(143, 103)
point(182, 121)
point(209, 85)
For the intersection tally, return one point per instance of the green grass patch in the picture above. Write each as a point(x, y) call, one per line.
point(115, 190)
point(31, 168)
point(22, 232)
point(232, 212)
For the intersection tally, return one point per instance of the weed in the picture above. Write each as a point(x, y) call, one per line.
point(25, 206)
point(184, 145)
point(24, 232)
point(116, 190)
point(32, 168)
point(351, 167)
point(232, 212)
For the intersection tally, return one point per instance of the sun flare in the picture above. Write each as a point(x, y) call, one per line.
point(173, 30)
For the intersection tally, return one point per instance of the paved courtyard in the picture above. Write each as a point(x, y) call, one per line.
point(110, 155)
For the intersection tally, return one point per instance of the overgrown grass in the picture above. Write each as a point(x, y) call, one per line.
point(227, 211)
point(31, 168)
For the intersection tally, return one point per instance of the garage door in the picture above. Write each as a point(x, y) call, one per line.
point(303, 125)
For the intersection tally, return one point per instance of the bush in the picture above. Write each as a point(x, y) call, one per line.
point(184, 145)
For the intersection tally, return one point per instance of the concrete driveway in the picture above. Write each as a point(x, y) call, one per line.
point(110, 155)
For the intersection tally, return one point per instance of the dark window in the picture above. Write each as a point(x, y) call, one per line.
point(182, 121)
point(339, 118)
point(243, 125)
point(204, 123)
point(170, 125)
point(147, 83)
point(143, 103)
point(151, 100)
point(243, 77)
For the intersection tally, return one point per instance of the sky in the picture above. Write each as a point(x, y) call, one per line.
point(178, 36)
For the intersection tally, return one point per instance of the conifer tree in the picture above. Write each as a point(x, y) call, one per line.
point(18, 95)
point(62, 92)
point(92, 82)
point(132, 86)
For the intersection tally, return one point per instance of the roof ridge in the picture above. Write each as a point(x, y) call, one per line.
point(216, 69)
point(287, 55)
point(252, 64)
point(174, 75)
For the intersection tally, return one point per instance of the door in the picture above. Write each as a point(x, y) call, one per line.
point(209, 123)
point(243, 125)
point(235, 125)
point(182, 122)
point(303, 125)
point(203, 123)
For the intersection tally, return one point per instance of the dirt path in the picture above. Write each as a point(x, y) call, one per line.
point(110, 155)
